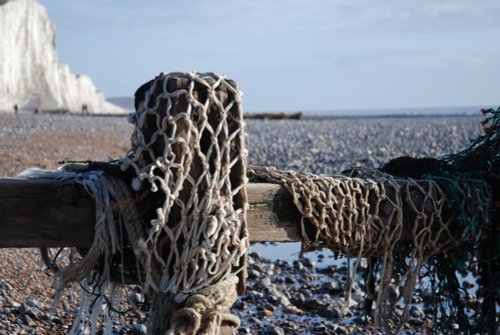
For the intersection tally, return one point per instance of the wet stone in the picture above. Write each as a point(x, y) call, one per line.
point(135, 298)
point(139, 328)
point(244, 330)
point(253, 274)
point(275, 330)
point(331, 312)
point(308, 262)
point(416, 312)
point(341, 330)
point(416, 321)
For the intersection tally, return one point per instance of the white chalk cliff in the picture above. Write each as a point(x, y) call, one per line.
point(30, 74)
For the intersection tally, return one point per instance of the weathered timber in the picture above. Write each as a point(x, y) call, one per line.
point(47, 213)
point(44, 213)
point(275, 116)
point(272, 215)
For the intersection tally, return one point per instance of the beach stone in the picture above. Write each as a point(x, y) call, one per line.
point(267, 267)
point(32, 313)
point(265, 282)
point(298, 266)
point(273, 299)
point(275, 330)
point(331, 312)
point(253, 273)
point(292, 309)
point(33, 303)
point(56, 320)
point(429, 310)
point(244, 330)
point(308, 262)
point(319, 329)
point(254, 255)
point(15, 304)
point(467, 284)
point(283, 301)
point(341, 330)
point(256, 321)
point(5, 285)
point(239, 305)
point(416, 321)
point(29, 321)
point(358, 296)
point(307, 293)
point(311, 304)
point(135, 298)
point(139, 328)
point(416, 312)
point(265, 313)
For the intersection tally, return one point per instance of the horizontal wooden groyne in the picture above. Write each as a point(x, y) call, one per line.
point(48, 213)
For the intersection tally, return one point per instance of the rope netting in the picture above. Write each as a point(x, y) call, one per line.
point(188, 152)
point(413, 218)
point(171, 215)
point(368, 213)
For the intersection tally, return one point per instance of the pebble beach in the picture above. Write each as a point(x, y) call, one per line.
point(284, 295)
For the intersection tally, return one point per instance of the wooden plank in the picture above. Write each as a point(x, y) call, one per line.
point(46, 213)
point(272, 215)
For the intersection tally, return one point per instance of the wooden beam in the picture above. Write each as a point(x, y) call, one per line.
point(44, 213)
point(48, 213)
point(272, 215)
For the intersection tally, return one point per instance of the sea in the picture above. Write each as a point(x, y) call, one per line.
point(128, 103)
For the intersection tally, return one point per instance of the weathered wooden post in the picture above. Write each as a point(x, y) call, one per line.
point(189, 162)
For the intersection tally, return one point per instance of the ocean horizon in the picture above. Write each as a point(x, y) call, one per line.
point(128, 103)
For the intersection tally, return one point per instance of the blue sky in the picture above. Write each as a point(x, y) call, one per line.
point(293, 55)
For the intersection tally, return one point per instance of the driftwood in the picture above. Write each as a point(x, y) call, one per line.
point(275, 116)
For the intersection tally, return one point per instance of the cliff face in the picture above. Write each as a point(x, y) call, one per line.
point(30, 74)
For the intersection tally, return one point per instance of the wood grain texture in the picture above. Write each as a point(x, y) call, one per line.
point(272, 215)
point(46, 213)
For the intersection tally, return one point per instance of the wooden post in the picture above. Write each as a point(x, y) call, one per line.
point(195, 123)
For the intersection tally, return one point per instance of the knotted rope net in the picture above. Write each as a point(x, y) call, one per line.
point(175, 207)
point(364, 213)
point(412, 217)
point(188, 155)
point(171, 213)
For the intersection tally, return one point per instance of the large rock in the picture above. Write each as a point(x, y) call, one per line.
point(30, 75)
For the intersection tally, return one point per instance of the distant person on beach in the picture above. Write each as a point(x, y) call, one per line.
point(36, 110)
point(16, 109)
point(85, 109)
